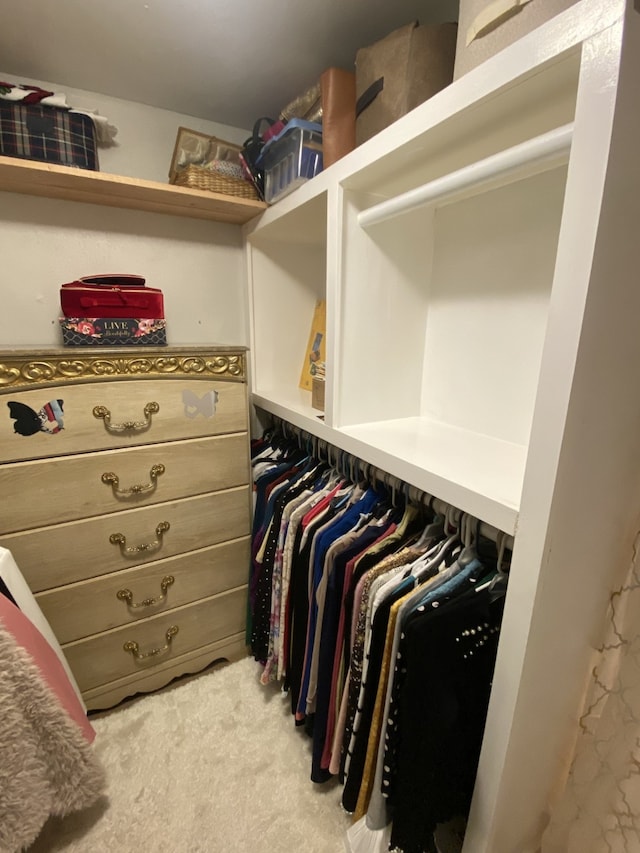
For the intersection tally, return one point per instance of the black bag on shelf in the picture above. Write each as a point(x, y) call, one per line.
point(251, 151)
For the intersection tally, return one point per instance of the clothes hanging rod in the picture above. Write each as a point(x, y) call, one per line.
point(539, 150)
point(371, 472)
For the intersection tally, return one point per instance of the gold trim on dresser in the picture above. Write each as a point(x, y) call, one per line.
point(56, 369)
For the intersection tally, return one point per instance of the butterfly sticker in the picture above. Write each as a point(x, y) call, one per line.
point(194, 405)
point(28, 422)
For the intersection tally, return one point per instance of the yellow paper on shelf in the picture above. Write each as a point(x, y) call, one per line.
point(315, 352)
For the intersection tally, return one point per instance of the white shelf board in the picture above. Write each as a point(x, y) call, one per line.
point(293, 405)
point(478, 474)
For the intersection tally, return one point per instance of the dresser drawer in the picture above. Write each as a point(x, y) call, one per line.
point(102, 658)
point(56, 490)
point(89, 607)
point(176, 408)
point(64, 553)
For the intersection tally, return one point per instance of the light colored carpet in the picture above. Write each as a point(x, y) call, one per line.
point(212, 764)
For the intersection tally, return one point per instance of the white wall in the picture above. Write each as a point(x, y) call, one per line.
point(44, 242)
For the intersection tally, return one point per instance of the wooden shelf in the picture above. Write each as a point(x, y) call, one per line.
point(63, 182)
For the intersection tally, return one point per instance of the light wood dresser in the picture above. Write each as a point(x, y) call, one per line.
point(126, 505)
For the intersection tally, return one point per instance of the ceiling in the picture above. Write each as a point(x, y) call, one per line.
point(229, 61)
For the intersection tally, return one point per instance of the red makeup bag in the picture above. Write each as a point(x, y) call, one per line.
point(111, 296)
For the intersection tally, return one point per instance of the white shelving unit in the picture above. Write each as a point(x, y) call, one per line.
point(411, 379)
point(478, 260)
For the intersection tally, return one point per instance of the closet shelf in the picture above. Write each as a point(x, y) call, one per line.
point(288, 404)
point(479, 474)
point(69, 184)
point(542, 152)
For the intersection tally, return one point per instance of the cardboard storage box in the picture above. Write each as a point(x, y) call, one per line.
point(399, 72)
point(108, 331)
point(317, 393)
point(487, 26)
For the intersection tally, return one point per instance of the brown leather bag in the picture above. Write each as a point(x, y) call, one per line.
point(338, 91)
point(332, 102)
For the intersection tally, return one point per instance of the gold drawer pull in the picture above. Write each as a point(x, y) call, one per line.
point(134, 648)
point(134, 426)
point(111, 479)
point(121, 540)
point(127, 595)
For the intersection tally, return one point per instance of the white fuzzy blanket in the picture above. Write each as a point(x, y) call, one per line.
point(47, 767)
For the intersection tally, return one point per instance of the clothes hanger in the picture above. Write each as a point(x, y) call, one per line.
point(347, 488)
point(498, 586)
point(470, 532)
point(497, 582)
point(434, 528)
point(394, 492)
point(442, 549)
point(353, 475)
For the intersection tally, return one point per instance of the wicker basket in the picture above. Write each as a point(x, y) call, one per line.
point(198, 178)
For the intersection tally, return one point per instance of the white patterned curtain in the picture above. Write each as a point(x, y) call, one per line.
point(599, 810)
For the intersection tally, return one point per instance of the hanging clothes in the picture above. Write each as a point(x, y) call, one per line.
point(449, 656)
point(333, 658)
point(366, 607)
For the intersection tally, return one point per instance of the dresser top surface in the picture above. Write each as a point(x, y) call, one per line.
point(33, 350)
